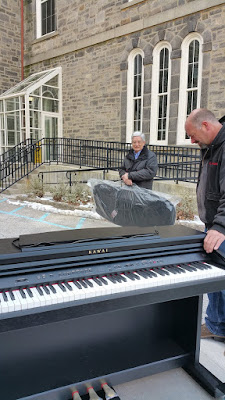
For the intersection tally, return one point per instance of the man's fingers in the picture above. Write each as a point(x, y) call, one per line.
point(213, 240)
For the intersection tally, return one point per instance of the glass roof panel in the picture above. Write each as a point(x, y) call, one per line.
point(23, 86)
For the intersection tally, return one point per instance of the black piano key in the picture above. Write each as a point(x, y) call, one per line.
point(130, 276)
point(198, 265)
point(83, 283)
point(51, 287)
point(104, 281)
point(151, 273)
point(166, 272)
point(23, 294)
point(171, 269)
point(11, 294)
point(96, 280)
point(188, 268)
point(136, 275)
point(159, 271)
point(143, 274)
point(179, 269)
point(111, 278)
point(206, 265)
point(40, 291)
point(77, 284)
point(46, 290)
point(29, 292)
point(89, 283)
point(118, 278)
point(67, 286)
point(147, 272)
point(123, 278)
point(62, 287)
point(4, 295)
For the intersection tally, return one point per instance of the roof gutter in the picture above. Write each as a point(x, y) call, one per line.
point(22, 42)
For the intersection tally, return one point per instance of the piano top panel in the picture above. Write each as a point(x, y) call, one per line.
point(15, 245)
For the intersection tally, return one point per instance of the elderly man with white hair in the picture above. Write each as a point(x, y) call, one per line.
point(140, 164)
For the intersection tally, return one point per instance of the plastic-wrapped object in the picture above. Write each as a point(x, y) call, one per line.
point(132, 205)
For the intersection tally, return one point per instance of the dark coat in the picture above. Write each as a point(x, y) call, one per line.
point(215, 184)
point(142, 170)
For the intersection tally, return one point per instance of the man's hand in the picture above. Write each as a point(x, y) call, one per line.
point(126, 180)
point(213, 240)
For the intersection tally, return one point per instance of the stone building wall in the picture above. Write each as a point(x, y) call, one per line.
point(92, 44)
point(10, 44)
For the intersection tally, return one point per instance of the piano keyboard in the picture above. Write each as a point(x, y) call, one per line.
point(104, 285)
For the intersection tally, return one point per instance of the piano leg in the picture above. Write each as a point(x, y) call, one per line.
point(207, 380)
point(197, 371)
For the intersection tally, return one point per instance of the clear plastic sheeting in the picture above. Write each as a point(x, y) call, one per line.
point(132, 205)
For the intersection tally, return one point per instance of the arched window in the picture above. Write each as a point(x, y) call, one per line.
point(190, 82)
point(135, 84)
point(161, 76)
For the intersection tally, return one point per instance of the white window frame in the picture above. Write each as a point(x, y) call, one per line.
point(130, 91)
point(155, 94)
point(183, 91)
point(39, 19)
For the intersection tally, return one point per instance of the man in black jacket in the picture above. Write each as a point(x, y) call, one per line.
point(140, 164)
point(205, 130)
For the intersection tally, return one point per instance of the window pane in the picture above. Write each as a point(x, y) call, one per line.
point(193, 64)
point(3, 138)
point(34, 102)
point(48, 16)
point(160, 81)
point(50, 105)
point(50, 92)
point(165, 88)
point(196, 55)
point(53, 81)
point(195, 75)
point(191, 51)
point(137, 92)
point(11, 139)
point(163, 92)
point(10, 122)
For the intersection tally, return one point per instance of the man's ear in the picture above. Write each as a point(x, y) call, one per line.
point(205, 124)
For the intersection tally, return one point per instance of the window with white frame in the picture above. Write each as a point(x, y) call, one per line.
point(190, 82)
point(161, 76)
point(45, 17)
point(135, 85)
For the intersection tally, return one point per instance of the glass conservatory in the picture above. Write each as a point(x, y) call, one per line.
point(32, 109)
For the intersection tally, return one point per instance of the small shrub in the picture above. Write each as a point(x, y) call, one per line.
point(185, 208)
point(34, 187)
point(59, 192)
point(80, 193)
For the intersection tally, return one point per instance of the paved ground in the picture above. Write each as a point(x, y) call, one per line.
point(18, 219)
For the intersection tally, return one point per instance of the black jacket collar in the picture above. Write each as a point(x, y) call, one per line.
point(143, 154)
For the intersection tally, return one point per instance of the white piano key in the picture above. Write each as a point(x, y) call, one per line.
point(30, 302)
point(22, 300)
point(10, 302)
point(17, 303)
point(36, 301)
point(4, 305)
point(80, 289)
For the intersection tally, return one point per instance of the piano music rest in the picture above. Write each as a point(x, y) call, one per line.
point(49, 350)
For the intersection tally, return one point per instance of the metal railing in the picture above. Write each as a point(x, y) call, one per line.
point(175, 162)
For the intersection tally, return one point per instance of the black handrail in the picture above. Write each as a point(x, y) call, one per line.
point(175, 162)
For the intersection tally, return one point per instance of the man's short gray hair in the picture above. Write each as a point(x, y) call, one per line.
point(137, 133)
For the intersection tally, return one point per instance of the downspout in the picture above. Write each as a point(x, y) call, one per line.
point(22, 41)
